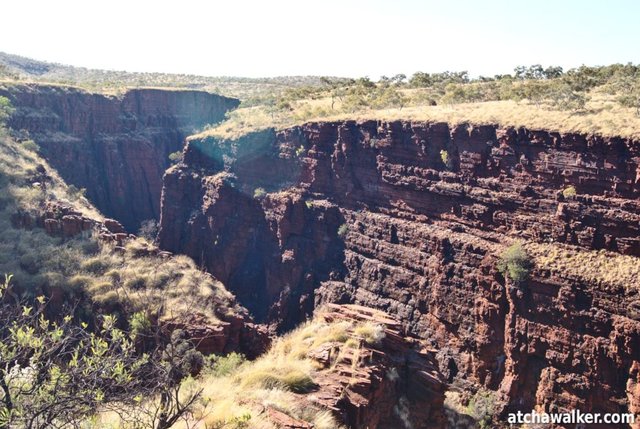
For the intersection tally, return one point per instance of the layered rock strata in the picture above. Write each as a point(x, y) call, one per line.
point(410, 218)
point(393, 383)
point(116, 148)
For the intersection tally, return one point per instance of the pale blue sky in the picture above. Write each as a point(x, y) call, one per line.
point(330, 37)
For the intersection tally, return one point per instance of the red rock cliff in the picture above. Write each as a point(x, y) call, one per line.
point(409, 218)
point(115, 147)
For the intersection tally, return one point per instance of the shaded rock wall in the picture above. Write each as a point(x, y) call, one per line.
point(116, 148)
point(376, 214)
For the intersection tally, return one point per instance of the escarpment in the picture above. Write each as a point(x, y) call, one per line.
point(410, 218)
point(116, 148)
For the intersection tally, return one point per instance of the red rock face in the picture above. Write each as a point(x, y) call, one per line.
point(426, 210)
point(116, 148)
point(393, 384)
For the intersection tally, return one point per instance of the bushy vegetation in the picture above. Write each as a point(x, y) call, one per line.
point(259, 193)
point(148, 229)
point(238, 390)
point(56, 372)
point(569, 192)
point(480, 410)
point(515, 263)
point(599, 100)
point(370, 333)
point(175, 157)
point(5, 109)
point(446, 159)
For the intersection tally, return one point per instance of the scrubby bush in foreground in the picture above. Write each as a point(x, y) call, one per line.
point(57, 373)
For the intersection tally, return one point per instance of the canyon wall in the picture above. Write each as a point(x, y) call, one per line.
point(116, 148)
point(410, 218)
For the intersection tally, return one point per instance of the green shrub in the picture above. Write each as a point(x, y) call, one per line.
point(259, 193)
point(342, 230)
point(96, 265)
point(219, 366)
point(136, 283)
point(30, 145)
point(175, 157)
point(483, 408)
point(239, 422)
point(446, 159)
point(569, 192)
point(5, 109)
point(515, 263)
point(139, 323)
point(29, 263)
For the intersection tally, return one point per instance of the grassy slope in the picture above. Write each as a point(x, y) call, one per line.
point(236, 393)
point(84, 269)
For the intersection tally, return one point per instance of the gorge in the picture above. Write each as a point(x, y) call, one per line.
point(116, 148)
point(405, 217)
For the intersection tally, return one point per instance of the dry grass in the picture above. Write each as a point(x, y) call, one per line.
point(608, 269)
point(174, 287)
point(237, 394)
point(602, 116)
point(18, 162)
point(273, 379)
point(84, 269)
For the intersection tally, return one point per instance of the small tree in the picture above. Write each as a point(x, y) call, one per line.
point(564, 98)
point(5, 109)
point(259, 193)
point(569, 192)
point(175, 157)
point(148, 229)
point(515, 263)
point(629, 93)
point(446, 159)
point(57, 373)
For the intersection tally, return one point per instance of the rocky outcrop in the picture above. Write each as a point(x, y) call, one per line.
point(231, 333)
point(116, 148)
point(393, 384)
point(61, 220)
point(410, 218)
